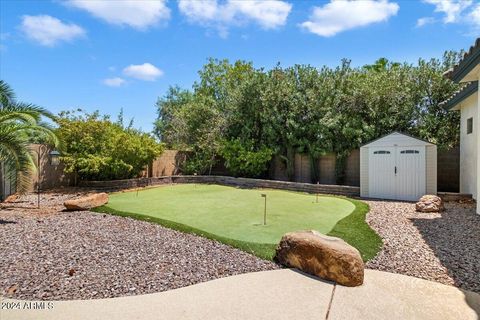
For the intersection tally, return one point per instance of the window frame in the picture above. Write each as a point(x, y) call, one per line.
point(409, 151)
point(470, 125)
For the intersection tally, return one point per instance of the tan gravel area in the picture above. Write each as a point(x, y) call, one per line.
point(52, 255)
point(443, 247)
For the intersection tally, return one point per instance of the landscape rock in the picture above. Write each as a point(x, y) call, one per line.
point(429, 203)
point(86, 202)
point(11, 198)
point(442, 247)
point(326, 257)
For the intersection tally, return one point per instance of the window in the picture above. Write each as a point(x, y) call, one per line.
point(410, 151)
point(381, 152)
point(469, 125)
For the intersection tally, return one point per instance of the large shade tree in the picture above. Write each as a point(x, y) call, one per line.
point(19, 123)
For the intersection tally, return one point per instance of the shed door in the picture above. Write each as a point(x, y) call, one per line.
point(381, 178)
point(410, 178)
point(396, 172)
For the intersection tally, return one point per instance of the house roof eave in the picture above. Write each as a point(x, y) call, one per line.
point(469, 61)
point(460, 95)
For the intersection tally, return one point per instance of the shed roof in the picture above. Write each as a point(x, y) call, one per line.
point(397, 138)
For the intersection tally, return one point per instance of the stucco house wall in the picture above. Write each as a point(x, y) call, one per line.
point(431, 169)
point(468, 146)
point(477, 135)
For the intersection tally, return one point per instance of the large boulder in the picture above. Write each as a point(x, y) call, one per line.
point(87, 202)
point(326, 257)
point(430, 203)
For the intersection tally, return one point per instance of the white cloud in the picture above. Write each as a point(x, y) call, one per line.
point(139, 14)
point(458, 11)
point(114, 82)
point(269, 14)
point(475, 15)
point(146, 71)
point(49, 31)
point(425, 20)
point(451, 8)
point(338, 16)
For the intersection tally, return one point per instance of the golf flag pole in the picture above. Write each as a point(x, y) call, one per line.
point(264, 195)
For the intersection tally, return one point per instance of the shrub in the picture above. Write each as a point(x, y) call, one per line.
point(241, 159)
point(96, 148)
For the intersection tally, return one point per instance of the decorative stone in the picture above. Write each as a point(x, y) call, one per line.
point(326, 257)
point(87, 202)
point(11, 198)
point(430, 203)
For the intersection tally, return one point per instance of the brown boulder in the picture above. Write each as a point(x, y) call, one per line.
point(429, 203)
point(87, 202)
point(323, 256)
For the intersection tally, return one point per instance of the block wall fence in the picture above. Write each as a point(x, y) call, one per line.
point(170, 164)
point(448, 168)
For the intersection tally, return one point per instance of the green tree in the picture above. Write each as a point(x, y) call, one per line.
point(433, 122)
point(95, 148)
point(241, 158)
point(168, 110)
point(18, 122)
point(303, 109)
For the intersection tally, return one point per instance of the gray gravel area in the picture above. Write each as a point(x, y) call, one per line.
point(443, 247)
point(51, 255)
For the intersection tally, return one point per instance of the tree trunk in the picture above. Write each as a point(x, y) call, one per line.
point(315, 175)
point(290, 164)
point(340, 165)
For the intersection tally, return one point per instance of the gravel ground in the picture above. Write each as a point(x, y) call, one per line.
point(443, 247)
point(53, 255)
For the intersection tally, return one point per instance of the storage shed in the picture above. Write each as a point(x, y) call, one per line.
point(399, 167)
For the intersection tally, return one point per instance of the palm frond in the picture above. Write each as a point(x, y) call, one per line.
point(18, 122)
point(7, 96)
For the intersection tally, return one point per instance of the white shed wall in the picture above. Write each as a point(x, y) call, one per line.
point(400, 140)
point(364, 172)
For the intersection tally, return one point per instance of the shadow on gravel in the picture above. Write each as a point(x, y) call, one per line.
point(455, 239)
point(6, 222)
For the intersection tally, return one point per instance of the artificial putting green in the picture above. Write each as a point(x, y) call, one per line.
point(235, 216)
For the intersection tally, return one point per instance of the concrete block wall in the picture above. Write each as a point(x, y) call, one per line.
point(302, 168)
point(448, 170)
point(50, 176)
point(167, 164)
point(326, 169)
point(352, 169)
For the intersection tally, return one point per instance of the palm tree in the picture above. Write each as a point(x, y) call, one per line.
point(18, 123)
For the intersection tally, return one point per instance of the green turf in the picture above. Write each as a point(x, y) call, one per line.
point(235, 216)
point(236, 213)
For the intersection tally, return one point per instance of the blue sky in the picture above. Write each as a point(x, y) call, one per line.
point(108, 55)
